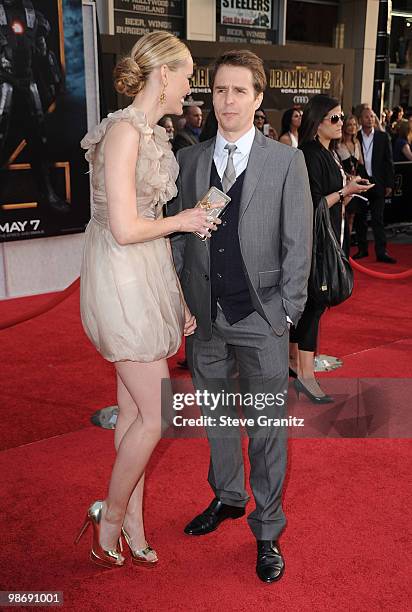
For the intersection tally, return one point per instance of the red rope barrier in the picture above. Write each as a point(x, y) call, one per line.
point(382, 275)
point(76, 283)
point(57, 299)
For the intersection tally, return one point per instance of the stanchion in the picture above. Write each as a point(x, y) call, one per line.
point(105, 417)
point(326, 363)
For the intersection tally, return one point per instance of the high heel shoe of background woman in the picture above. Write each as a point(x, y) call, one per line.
point(99, 555)
point(140, 555)
point(316, 399)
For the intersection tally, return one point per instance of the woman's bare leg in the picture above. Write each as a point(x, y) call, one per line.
point(307, 372)
point(133, 521)
point(137, 434)
point(306, 364)
point(128, 413)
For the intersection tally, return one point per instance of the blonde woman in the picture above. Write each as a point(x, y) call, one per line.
point(350, 154)
point(131, 302)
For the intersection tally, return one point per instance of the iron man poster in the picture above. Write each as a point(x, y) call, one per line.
point(44, 188)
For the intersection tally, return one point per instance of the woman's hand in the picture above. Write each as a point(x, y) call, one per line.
point(356, 186)
point(198, 220)
point(190, 322)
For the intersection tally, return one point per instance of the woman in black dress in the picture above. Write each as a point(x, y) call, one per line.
point(319, 134)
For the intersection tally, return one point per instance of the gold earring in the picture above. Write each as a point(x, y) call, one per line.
point(162, 98)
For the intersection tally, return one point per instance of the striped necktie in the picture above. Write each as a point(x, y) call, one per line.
point(229, 175)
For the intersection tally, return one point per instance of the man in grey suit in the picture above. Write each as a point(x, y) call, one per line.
point(244, 286)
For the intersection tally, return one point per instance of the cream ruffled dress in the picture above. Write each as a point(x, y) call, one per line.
point(130, 301)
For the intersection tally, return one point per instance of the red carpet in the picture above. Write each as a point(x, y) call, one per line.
point(347, 502)
point(345, 545)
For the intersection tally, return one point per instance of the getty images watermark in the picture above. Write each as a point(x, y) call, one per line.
point(361, 408)
point(223, 412)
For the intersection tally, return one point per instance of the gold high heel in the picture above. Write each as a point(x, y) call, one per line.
point(140, 555)
point(100, 556)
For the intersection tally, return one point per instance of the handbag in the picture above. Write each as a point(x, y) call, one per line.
point(331, 276)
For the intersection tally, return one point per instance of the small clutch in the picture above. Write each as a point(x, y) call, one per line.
point(213, 196)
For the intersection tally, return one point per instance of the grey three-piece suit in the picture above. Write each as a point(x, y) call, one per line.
point(275, 235)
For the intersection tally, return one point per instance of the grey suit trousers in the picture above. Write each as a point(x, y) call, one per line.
point(250, 356)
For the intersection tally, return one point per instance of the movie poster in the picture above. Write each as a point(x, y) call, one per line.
point(292, 85)
point(288, 85)
point(44, 185)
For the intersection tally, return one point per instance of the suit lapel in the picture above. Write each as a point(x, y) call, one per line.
point(257, 158)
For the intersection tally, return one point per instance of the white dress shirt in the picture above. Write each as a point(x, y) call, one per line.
point(367, 147)
point(240, 156)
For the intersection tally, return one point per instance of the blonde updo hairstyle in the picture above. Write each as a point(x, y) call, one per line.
point(150, 51)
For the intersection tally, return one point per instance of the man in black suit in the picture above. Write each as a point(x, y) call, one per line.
point(191, 132)
point(377, 155)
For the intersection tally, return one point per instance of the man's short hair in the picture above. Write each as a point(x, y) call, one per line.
point(360, 108)
point(245, 59)
point(188, 107)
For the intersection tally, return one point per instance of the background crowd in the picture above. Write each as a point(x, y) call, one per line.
point(359, 125)
point(194, 126)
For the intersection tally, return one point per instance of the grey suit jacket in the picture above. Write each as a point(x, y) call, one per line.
point(275, 232)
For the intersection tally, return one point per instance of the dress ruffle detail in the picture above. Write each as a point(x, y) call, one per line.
point(157, 168)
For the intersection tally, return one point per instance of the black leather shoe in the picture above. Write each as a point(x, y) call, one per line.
point(386, 259)
point(270, 564)
point(360, 255)
point(211, 518)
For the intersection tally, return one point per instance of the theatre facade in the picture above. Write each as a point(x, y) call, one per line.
point(309, 47)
